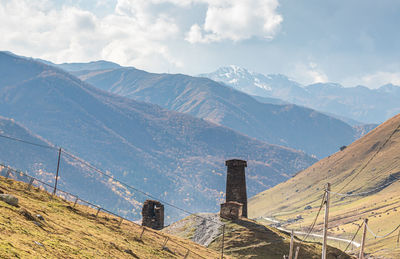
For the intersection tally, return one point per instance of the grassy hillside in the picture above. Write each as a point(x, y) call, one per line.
point(245, 238)
point(368, 170)
point(68, 232)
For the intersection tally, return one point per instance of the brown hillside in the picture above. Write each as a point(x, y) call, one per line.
point(65, 231)
point(370, 166)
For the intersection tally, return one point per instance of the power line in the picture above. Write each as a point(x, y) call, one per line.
point(111, 177)
point(367, 192)
point(388, 234)
point(370, 159)
point(344, 251)
point(135, 189)
point(316, 217)
point(28, 142)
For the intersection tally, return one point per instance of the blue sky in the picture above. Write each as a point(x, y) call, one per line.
point(351, 42)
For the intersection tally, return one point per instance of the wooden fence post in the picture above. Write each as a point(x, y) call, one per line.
point(58, 167)
point(76, 200)
point(141, 234)
point(187, 254)
point(30, 184)
point(98, 212)
point(165, 243)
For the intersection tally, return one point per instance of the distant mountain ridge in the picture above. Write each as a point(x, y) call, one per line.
point(358, 103)
point(173, 156)
point(289, 125)
point(94, 65)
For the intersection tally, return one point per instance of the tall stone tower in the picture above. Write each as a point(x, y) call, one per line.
point(236, 183)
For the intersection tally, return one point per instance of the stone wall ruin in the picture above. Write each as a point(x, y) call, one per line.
point(153, 214)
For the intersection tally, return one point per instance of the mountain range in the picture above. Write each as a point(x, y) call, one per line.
point(173, 156)
point(358, 103)
point(283, 124)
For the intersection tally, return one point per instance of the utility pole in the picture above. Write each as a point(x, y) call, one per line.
point(361, 256)
point(327, 194)
point(291, 245)
point(58, 168)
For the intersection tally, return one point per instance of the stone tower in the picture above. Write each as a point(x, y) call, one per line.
point(236, 183)
point(153, 215)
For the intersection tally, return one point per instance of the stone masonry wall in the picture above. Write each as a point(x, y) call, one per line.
point(236, 183)
point(153, 214)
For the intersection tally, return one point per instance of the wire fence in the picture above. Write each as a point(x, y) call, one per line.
point(128, 189)
point(80, 177)
point(168, 244)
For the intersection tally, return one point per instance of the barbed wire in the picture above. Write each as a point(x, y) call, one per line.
point(111, 177)
point(136, 189)
point(93, 205)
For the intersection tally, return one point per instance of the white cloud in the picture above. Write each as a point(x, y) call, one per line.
point(308, 73)
point(130, 34)
point(236, 20)
point(374, 80)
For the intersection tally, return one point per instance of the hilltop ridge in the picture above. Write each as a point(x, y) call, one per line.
point(367, 176)
point(47, 226)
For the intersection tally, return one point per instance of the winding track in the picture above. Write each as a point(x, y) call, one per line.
point(314, 235)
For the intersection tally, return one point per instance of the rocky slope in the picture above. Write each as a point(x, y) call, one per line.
point(244, 238)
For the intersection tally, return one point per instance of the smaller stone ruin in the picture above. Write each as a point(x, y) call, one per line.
point(153, 214)
point(231, 210)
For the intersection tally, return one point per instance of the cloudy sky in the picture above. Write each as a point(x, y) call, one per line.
point(351, 42)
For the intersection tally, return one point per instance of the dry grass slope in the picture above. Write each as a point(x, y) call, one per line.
point(68, 232)
point(364, 166)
